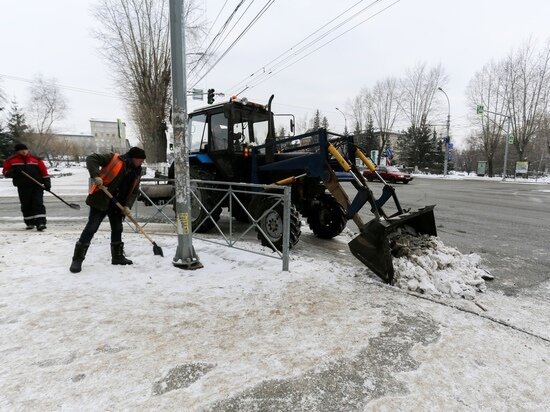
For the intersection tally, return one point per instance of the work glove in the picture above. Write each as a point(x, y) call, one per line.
point(47, 184)
point(126, 211)
point(98, 181)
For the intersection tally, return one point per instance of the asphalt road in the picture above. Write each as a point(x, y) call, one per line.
point(377, 348)
point(506, 223)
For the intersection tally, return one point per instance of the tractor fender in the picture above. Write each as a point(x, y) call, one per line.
point(201, 158)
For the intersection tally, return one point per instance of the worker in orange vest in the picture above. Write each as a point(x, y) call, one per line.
point(121, 175)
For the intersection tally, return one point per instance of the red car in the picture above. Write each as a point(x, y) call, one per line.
point(390, 174)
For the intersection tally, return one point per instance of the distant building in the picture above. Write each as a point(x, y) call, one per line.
point(110, 136)
point(106, 136)
point(85, 142)
point(391, 139)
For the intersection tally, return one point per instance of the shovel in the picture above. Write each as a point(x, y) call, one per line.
point(157, 250)
point(71, 205)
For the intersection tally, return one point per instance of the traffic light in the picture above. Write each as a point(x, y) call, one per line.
point(210, 99)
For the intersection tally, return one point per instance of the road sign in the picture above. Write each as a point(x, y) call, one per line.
point(522, 167)
point(450, 146)
point(389, 152)
point(480, 109)
point(197, 94)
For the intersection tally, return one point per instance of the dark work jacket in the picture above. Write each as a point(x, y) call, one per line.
point(123, 182)
point(30, 164)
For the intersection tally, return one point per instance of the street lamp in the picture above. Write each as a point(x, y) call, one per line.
point(448, 127)
point(345, 121)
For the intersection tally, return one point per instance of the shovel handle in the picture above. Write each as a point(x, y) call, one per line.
point(134, 221)
point(71, 205)
point(34, 180)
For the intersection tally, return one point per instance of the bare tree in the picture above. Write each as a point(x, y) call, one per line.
point(541, 146)
point(418, 92)
point(360, 110)
point(136, 43)
point(488, 88)
point(384, 106)
point(3, 99)
point(47, 105)
point(528, 93)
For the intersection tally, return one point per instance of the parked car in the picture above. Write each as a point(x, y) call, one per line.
point(390, 174)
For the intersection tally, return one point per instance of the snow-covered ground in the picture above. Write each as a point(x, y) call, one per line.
point(463, 175)
point(241, 334)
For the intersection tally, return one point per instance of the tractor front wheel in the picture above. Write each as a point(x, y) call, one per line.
point(269, 212)
point(328, 220)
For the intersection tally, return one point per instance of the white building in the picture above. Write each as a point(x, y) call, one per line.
point(110, 136)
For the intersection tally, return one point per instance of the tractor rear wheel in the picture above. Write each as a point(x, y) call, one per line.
point(329, 219)
point(208, 198)
point(238, 212)
point(270, 215)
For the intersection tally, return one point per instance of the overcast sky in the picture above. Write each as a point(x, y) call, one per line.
point(54, 38)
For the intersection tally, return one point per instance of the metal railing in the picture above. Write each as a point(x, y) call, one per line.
point(228, 194)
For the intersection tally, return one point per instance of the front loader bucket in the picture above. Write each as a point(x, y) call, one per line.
point(373, 246)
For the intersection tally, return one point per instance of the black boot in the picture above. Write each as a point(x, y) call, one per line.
point(80, 250)
point(117, 254)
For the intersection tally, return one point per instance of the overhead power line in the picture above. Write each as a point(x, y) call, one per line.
point(239, 37)
point(271, 73)
point(262, 70)
point(204, 56)
point(62, 86)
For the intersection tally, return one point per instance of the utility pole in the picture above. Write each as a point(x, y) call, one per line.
point(185, 256)
point(506, 143)
point(447, 138)
point(345, 122)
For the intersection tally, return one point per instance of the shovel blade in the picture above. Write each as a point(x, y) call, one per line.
point(157, 250)
point(373, 246)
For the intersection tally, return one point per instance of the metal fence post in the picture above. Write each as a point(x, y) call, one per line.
point(286, 227)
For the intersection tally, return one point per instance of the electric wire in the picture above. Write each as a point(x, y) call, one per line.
point(292, 48)
point(220, 32)
point(216, 19)
point(271, 74)
point(62, 86)
point(325, 26)
point(247, 28)
point(218, 44)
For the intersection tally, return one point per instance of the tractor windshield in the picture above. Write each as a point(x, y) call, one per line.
point(197, 132)
point(252, 122)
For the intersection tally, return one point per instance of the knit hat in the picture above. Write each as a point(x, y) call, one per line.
point(20, 146)
point(136, 153)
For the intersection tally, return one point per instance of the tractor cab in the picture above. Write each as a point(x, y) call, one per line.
point(224, 134)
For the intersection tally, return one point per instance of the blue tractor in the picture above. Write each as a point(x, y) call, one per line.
point(235, 141)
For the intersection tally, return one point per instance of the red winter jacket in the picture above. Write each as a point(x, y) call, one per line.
point(31, 165)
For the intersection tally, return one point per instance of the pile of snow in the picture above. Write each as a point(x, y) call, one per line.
point(425, 265)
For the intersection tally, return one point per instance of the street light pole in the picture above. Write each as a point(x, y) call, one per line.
point(506, 142)
point(447, 138)
point(345, 121)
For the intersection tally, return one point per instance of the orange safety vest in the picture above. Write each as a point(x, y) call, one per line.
point(109, 172)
